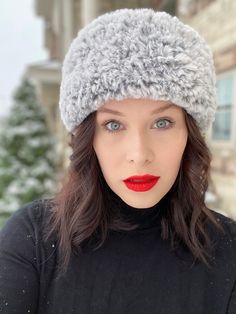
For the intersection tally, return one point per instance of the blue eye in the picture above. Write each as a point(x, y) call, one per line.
point(163, 125)
point(114, 125)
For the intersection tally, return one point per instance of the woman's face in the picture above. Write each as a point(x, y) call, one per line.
point(136, 141)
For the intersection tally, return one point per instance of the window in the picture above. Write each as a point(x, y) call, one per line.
point(221, 128)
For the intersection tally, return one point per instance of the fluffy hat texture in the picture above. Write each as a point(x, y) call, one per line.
point(137, 53)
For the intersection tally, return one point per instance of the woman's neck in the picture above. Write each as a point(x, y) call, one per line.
point(145, 218)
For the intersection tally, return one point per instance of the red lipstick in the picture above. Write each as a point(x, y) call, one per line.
point(141, 183)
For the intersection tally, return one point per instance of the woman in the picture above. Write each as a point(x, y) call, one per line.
point(129, 231)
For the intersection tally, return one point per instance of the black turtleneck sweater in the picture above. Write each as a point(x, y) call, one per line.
point(133, 272)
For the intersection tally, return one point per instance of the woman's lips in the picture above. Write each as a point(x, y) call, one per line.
point(145, 177)
point(141, 186)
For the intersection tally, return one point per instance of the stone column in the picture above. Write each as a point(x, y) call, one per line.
point(89, 11)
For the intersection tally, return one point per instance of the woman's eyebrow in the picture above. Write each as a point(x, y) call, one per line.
point(158, 110)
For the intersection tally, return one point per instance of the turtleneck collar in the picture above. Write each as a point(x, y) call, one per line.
point(146, 218)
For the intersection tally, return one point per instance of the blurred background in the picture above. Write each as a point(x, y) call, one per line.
point(35, 35)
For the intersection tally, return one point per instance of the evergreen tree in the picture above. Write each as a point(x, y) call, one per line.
point(28, 158)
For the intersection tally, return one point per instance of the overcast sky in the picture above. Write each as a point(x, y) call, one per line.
point(21, 42)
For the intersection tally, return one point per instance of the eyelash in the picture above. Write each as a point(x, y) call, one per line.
point(109, 121)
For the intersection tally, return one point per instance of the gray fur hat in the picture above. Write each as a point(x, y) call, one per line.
point(137, 53)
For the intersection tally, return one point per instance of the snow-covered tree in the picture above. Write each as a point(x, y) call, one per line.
point(28, 158)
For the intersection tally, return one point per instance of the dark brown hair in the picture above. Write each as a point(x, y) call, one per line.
point(79, 210)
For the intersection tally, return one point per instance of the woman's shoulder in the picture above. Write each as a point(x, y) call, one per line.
point(21, 237)
point(27, 223)
point(229, 224)
point(30, 215)
point(227, 239)
point(36, 209)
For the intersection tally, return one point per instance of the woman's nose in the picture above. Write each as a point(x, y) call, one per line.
point(140, 150)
